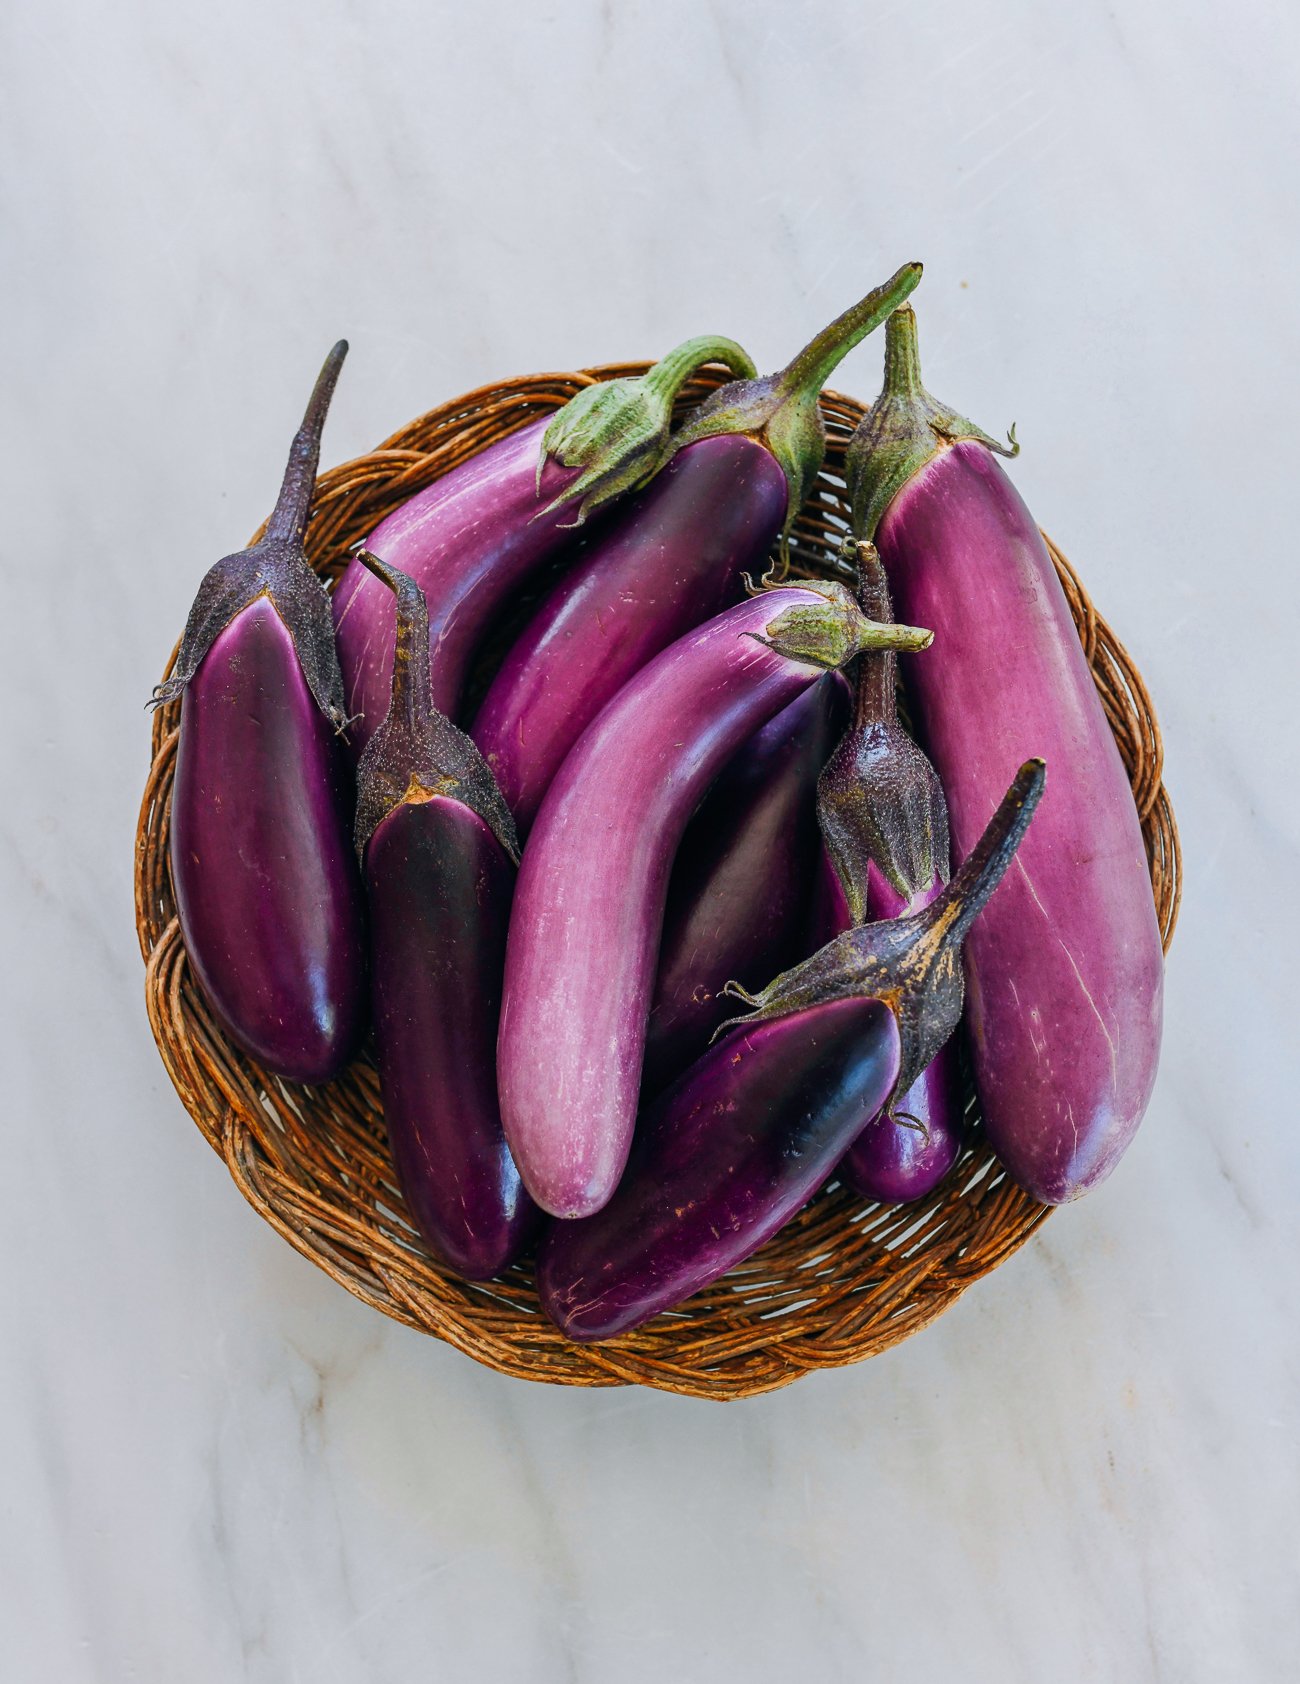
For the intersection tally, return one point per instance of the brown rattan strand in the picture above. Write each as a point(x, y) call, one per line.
point(843, 1281)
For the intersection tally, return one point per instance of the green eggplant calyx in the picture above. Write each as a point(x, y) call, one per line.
point(617, 431)
point(417, 753)
point(911, 964)
point(831, 632)
point(782, 410)
point(903, 430)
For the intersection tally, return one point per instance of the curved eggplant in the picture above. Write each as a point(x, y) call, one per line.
point(439, 850)
point(1066, 972)
point(580, 960)
point(669, 561)
point(266, 884)
point(721, 1163)
point(885, 824)
point(471, 538)
point(741, 886)
point(750, 1132)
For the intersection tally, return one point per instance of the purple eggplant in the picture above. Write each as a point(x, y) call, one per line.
point(439, 850)
point(885, 824)
point(741, 887)
point(905, 1151)
point(1066, 971)
point(266, 883)
point(584, 937)
point(669, 561)
point(475, 535)
point(754, 1127)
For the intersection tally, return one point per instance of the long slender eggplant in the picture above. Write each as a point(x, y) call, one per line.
point(885, 824)
point(740, 894)
point(475, 535)
point(580, 960)
point(1066, 972)
point(670, 560)
point(439, 851)
point(266, 883)
point(750, 1132)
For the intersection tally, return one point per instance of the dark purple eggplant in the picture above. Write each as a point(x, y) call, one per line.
point(741, 886)
point(885, 824)
point(1066, 972)
point(669, 561)
point(666, 562)
point(584, 938)
point(266, 883)
point(735, 1147)
point(439, 851)
point(473, 537)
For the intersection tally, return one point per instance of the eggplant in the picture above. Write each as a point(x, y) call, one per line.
point(474, 536)
point(438, 848)
point(905, 1151)
point(741, 889)
point(584, 936)
point(266, 884)
point(1066, 971)
point(733, 1149)
point(885, 823)
point(670, 560)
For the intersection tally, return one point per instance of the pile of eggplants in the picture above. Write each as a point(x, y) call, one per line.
point(689, 782)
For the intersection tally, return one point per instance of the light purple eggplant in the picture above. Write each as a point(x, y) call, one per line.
point(670, 560)
point(741, 888)
point(728, 1155)
point(885, 823)
point(266, 882)
point(439, 851)
point(1066, 971)
point(473, 537)
point(584, 936)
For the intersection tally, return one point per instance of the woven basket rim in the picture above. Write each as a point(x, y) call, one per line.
point(844, 1281)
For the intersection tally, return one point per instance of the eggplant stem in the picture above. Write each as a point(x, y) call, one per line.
point(904, 429)
point(903, 380)
point(288, 520)
point(809, 371)
point(875, 700)
point(412, 695)
point(672, 371)
point(971, 885)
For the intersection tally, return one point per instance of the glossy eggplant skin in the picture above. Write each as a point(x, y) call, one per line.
point(741, 891)
point(890, 1161)
point(669, 560)
point(1065, 970)
point(469, 541)
point(584, 937)
point(722, 1161)
point(266, 882)
point(439, 886)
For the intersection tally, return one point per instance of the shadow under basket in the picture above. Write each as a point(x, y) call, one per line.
point(843, 1281)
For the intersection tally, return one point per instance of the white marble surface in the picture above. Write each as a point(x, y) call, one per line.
point(221, 1466)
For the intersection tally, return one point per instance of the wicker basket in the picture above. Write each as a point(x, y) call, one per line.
point(843, 1281)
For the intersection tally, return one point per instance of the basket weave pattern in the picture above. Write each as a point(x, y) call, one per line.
point(844, 1280)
